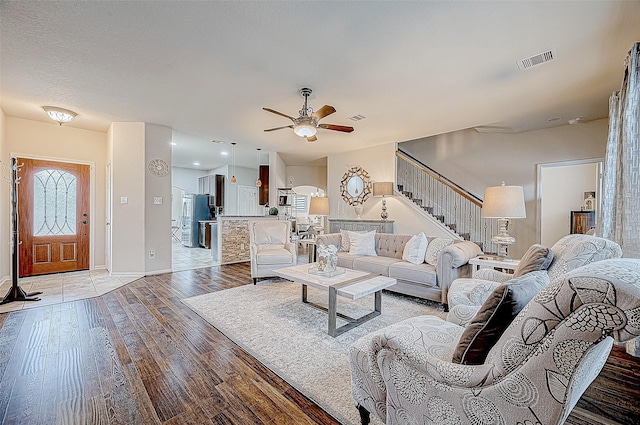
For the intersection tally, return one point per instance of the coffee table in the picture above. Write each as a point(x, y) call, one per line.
point(351, 284)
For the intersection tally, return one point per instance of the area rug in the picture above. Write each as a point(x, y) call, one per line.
point(271, 323)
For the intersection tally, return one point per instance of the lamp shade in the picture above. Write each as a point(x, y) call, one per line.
point(383, 188)
point(319, 205)
point(503, 202)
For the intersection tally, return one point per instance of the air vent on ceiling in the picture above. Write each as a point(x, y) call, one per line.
point(493, 129)
point(538, 59)
point(357, 117)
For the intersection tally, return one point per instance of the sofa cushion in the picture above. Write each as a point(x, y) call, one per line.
point(433, 249)
point(363, 243)
point(495, 315)
point(345, 259)
point(421, 273)
point(379, 264)
point(415, 249)
point(274, 256)
point(536, 258)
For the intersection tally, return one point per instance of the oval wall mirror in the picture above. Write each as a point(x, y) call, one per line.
point(355, 186)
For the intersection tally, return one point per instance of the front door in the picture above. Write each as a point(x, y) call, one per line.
point(53, 216)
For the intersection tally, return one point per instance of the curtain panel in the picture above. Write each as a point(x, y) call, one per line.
point(621, 181)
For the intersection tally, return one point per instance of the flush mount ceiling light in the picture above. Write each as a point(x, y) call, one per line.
point(60, 115)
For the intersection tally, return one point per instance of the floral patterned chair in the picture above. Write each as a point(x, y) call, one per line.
point(535, 373)
point(466, 295)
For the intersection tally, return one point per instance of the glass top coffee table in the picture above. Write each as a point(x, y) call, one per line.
point(351, 284)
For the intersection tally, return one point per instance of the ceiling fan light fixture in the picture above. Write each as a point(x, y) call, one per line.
point(59, 115)
point(304, 128)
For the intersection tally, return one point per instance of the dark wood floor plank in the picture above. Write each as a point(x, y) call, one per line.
point(138, 355)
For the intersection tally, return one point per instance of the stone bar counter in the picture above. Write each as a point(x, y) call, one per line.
point(233, 238)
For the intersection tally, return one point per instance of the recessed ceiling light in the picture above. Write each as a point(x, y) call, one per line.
point(196, 163)
point(221, 142)
point(173, 143)
point(225, 153)
point(554, 119)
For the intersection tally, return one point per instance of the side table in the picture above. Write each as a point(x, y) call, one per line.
point(311, 246)
point(484, 261)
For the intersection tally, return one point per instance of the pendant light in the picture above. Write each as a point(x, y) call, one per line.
point(233, 162)
point(258, 182)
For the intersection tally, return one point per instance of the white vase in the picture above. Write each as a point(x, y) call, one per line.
point(358, 209)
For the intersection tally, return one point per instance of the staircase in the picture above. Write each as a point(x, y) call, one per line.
point(450, 204)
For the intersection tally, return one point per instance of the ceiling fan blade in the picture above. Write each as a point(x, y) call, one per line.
point(273, 111)
point(279, 128)
point(336, 127)
point(311, 139)
point(323, 112)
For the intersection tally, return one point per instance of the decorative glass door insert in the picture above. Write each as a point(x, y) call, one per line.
point(54, 203)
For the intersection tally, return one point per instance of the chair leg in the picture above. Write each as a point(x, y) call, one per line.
point(364, 415)
point(255, 279)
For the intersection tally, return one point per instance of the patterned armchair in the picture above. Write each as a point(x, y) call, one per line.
point(466, 295)
point(534, 374)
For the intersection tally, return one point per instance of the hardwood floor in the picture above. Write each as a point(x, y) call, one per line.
point(137, 355)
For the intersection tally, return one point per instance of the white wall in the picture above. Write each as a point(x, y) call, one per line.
point(379, 162)
point(126, 142)
point(186, 178)
point(52, 141)
point(307, 176)
point(477, 160)
point(157, 217)
point(277, 177)
point(562, 191)
point(5, 211)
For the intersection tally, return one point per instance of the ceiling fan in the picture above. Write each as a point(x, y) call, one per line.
point(306, 125)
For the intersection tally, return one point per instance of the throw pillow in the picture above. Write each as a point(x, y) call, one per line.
point(345, 240)
point(363, 243)
point(495, 315)
point(536, 258)
point(434, 248)
point(415, 249)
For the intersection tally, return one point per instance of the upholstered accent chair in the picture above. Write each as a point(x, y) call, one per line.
point(270, 247)
point(466, 295)
point(535, 372)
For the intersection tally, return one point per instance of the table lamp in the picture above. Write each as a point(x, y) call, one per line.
point(383, 189)
point(503, 202)
point(319, 206)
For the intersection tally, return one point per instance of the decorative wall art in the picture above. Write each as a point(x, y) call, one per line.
point(355, 186)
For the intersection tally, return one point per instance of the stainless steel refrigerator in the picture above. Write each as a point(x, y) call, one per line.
point(194, 208)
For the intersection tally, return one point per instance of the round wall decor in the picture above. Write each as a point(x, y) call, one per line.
point(355, 186)
point(158, 167)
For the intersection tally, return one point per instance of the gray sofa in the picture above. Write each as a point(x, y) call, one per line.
point(419, 280)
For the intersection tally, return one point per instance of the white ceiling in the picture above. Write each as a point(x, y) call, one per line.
point(413, 69)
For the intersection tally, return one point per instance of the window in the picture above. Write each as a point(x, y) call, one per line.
point(54, 203)
point(300, 203)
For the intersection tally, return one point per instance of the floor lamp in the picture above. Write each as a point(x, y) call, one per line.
point(319, 206)
point(504, 203)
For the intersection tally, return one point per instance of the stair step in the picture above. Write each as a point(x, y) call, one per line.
point(439, 217)
point(400, 187)
point(466, 236)
point(417, 201)
point(428, 209)
point(452, 226)
point(408, 194)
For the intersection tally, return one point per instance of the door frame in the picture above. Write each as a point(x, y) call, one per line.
point(92, 192)
point(540, 168)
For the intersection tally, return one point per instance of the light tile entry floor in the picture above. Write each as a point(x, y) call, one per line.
point(61, 287)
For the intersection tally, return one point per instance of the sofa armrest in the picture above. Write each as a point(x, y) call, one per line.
point(493, 275)
point(329, 239)
point(453, 263)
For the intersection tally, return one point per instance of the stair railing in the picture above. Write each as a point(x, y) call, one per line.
point(451, 204)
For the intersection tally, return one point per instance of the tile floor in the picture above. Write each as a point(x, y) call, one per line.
point(62, 287)
point(184, 258)
point(73, 286)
